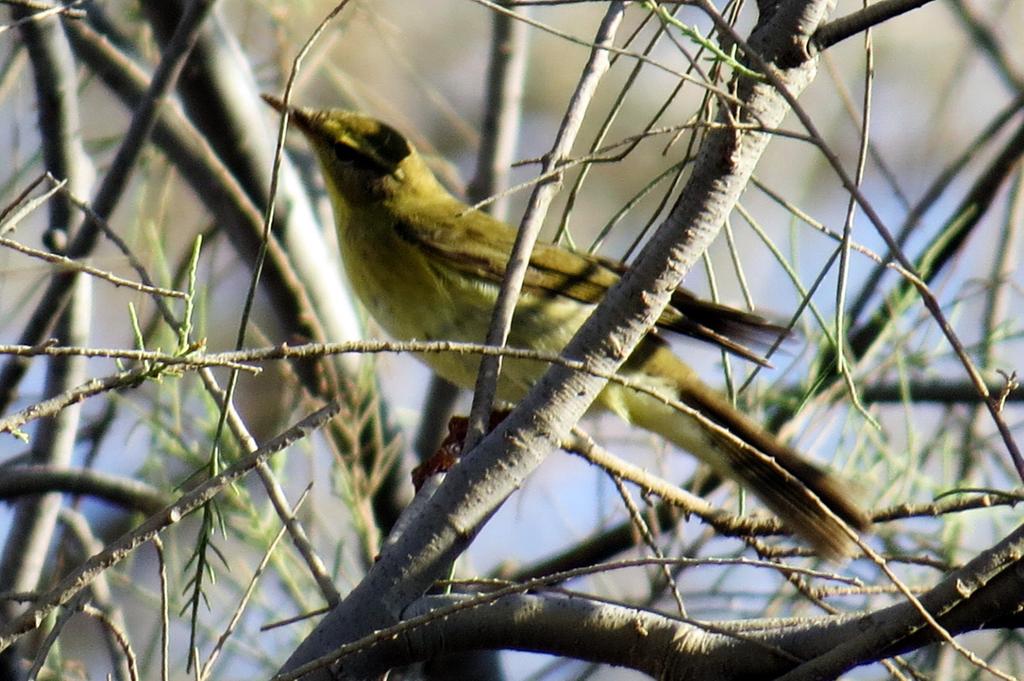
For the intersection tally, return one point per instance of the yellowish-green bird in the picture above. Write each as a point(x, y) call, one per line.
point(428, 268)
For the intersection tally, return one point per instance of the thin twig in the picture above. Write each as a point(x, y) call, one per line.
point(533, 219)
point(120, 549)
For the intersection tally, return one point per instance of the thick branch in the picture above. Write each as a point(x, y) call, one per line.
point(479, 484)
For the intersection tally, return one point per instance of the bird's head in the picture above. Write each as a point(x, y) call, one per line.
point(363, 159)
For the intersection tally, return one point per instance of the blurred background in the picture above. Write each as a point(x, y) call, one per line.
point(941, 89)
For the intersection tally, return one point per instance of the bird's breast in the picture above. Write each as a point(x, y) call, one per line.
point(413, 295)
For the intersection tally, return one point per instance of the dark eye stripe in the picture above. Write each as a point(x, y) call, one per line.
point(350, 156)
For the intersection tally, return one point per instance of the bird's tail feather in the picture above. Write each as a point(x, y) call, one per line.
point(795, 489)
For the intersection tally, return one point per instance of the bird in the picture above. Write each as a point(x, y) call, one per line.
point(426, 266)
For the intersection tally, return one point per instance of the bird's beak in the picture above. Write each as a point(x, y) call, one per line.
point(273, 101)
point(300, 117)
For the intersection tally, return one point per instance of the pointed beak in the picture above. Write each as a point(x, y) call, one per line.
point(300, 117)
point(273, 101)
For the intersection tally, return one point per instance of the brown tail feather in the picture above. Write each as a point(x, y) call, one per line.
point(786, 482)
point(795, 489)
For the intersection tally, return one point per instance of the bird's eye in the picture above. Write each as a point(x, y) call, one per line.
point(346, 154)
point(353, 157)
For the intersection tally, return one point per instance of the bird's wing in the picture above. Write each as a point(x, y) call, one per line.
point(480, 247)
